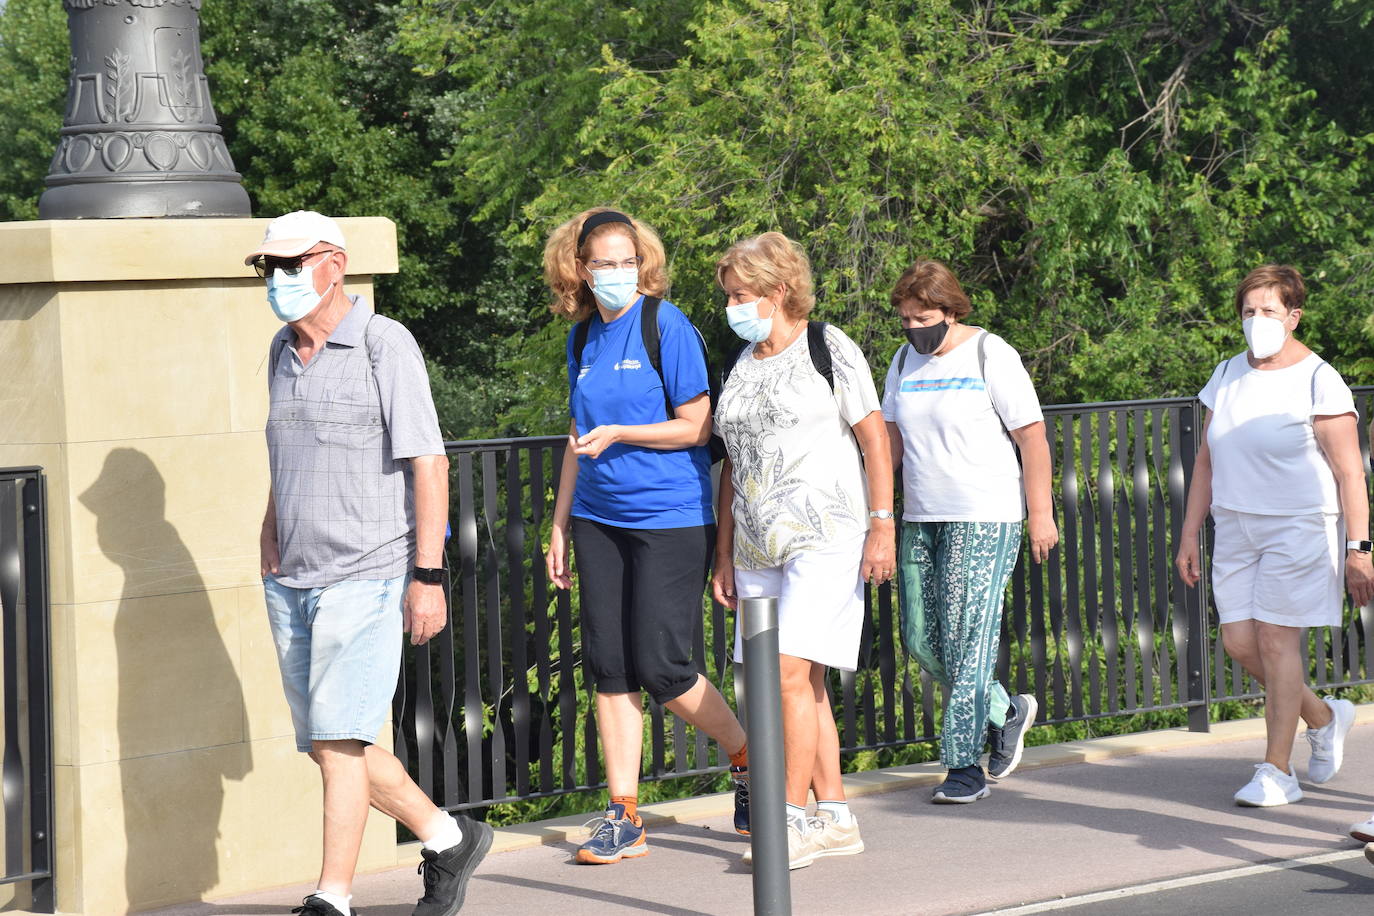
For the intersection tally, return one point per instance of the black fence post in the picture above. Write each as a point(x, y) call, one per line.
point(1199, 694)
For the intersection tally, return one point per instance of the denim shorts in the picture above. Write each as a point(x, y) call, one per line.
point(339, 648)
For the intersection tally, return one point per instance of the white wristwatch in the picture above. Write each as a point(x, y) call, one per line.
point(1360, 546)
point(881, 513)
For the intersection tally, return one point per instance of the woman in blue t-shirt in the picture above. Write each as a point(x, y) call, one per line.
point(636, 500)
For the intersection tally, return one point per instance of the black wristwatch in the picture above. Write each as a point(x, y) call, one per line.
point(427, 576)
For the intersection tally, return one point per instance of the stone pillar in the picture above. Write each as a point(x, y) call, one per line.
point(134, 355)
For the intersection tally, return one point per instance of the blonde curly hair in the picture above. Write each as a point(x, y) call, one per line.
point(765, 262)
point(572, 298)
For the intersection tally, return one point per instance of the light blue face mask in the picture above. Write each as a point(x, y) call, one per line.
point(292, 298)
point(745, 321)
point(616, 288)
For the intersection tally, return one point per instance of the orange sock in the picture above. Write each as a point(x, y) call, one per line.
point(740, 758)
point(631, 803)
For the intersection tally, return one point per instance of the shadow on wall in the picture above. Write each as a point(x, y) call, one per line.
point(181, 721)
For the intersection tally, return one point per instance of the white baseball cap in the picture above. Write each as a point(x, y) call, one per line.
point(296, 233)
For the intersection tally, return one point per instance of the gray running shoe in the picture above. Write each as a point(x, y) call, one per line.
point(1005, 744)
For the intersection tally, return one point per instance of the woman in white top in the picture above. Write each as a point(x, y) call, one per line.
point(955, 401)
point(800, 516)
point(1280, 470)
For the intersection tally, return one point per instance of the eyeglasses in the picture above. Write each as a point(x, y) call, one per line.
point(292, 267)
point(627, 264)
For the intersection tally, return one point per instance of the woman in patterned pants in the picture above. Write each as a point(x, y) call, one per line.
point(955, 401)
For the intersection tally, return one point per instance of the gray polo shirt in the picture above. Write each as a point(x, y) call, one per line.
point(338, 432)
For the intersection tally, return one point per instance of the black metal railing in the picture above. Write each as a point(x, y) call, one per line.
point(498, 707)
point(26, 770)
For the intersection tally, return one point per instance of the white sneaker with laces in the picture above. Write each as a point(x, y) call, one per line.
point(1270, 786)
point(801, 848)
point(831, 839)
point(1364, 830)
point(1328, 742)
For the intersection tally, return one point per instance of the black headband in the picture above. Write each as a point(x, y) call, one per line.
point(600, 219)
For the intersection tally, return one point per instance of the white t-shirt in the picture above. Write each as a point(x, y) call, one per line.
point(799, 483)
point(1265, 457)
point(958, 462)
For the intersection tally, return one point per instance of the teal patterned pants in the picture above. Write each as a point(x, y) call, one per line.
point(952, 578)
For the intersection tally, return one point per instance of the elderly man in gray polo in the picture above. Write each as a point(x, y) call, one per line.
point(352, 550)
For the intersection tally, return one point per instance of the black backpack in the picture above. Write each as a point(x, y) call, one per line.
point(815, 343)
point(649, 332)
point(820, 359)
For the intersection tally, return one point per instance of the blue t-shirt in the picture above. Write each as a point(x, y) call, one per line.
point(631, 486)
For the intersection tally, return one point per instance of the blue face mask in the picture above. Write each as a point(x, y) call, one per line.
point(616, 288)
point(745, 321)
point(292, 298)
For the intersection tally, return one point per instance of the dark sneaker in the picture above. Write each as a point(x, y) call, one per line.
point(446, 873)
point(615, 837)
point(314, 906)
point(1005, 744)
point(961, 786)
point(741, 777)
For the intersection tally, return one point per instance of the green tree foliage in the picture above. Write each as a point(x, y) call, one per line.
point(318, 111)
point(1100, 173)
point(33, 91)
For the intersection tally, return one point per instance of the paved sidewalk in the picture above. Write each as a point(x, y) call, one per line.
point(1076, 819)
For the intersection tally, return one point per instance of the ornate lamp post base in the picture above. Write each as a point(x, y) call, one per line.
point(140, 137)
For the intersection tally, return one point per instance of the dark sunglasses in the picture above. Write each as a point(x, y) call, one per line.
point(292, 267)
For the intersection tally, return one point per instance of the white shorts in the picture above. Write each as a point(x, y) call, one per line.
point(1280, 569)
point(820, 603)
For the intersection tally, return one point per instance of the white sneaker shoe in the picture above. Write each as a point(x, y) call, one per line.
point(802, 849)
point(830, 839)
point(1364, 830)
point(1328, 742)
point(1270, 786)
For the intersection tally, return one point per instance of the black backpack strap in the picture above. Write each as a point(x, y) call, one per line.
point(730, 363)
point(580, 339)
point(820, 352)
point(650, 333)
point(901, 359)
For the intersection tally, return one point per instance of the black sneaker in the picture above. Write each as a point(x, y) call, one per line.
point(962, 786)
point(741, 777)
point(1005, 744)
point(446, 873)
point(314, 906)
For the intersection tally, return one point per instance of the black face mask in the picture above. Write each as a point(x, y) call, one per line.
point(927, 340)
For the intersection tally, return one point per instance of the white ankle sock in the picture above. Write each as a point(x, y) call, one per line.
point(337, 901)
point(796, 815)
point(838, 810)
point(444, 833)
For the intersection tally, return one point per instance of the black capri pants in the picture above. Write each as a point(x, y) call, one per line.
point(641, 594)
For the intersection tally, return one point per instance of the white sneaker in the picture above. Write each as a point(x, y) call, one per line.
point(830, 839)
point(1364, 830)
point(801, 848)
point(1328, 742)
point(1270, 786)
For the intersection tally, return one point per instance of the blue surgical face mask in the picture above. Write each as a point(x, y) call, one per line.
point(616, 287)
point(745, 321)
point(292, 298)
